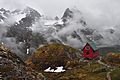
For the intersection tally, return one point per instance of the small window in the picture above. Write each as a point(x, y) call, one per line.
point(87, 47)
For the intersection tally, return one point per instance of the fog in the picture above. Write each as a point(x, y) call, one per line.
point(98, 12)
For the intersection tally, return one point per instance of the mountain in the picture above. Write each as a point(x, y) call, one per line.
point(16, 24)
point(75, 30)
point(28, 14)
point(4, 14)
point(31, 16)
point(72, 14)
point(71, 29)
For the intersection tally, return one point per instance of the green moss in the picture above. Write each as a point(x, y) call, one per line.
point(115, 74)
point(54, 55)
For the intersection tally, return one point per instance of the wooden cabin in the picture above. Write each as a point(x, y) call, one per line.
point(90, 52)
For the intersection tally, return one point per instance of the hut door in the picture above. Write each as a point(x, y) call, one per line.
point(87, 53)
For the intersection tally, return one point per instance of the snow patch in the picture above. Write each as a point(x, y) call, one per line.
point(27, 51)
point(18, 17)
point(53, 22)
point(59, 69)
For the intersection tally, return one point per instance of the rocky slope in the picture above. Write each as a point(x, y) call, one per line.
point(13, 68)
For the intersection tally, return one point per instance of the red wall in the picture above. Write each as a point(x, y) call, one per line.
point(91, 54)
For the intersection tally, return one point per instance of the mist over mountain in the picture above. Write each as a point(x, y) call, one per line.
point(23, 30)
point(15, 31)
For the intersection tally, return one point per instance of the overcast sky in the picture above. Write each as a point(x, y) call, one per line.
point(101, 11)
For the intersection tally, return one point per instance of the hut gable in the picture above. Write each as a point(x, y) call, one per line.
point(90, 51)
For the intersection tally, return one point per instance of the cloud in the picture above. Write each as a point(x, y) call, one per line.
point(97, 12)
point(100, 12)
point(11, 4)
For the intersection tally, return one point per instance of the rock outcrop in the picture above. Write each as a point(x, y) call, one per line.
point(53, 55)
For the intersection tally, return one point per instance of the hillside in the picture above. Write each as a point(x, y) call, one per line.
point(76, 68)
point(13, 68)
point(53, 55)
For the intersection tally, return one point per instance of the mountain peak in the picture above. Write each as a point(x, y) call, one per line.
point(67, 14)
point(31, 12)
point(70, 12)
point(74, 15)
point(4, 10)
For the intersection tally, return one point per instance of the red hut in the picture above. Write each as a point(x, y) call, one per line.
point(90, 52)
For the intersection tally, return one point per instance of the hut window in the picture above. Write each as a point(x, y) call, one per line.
point(87, 47)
